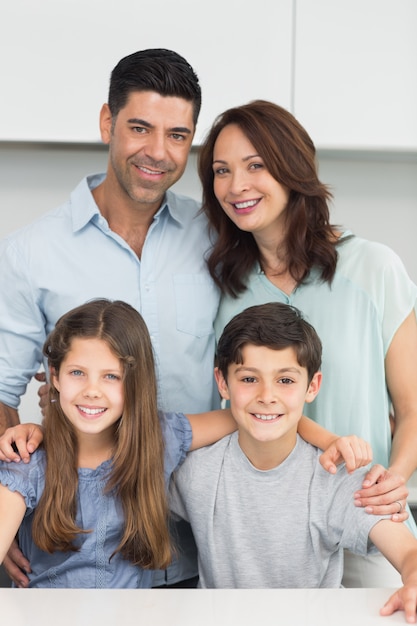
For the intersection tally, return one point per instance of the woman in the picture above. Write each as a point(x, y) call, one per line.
point(274, 242)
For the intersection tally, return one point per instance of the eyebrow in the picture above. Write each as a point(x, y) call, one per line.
point(282, 370)
point(175, 129)
point(247, 158)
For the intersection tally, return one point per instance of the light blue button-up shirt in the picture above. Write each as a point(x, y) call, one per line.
point(70, 256)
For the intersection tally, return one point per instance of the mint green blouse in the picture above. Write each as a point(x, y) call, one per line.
point(356, 318)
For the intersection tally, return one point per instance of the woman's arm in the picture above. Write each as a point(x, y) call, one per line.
point(12, 511)
point(387, 488)
point(401, 374)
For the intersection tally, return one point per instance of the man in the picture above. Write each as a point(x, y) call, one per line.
point(122, 235)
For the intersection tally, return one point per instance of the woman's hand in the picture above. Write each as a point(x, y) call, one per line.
point(24, 438)
point(383, 493)
point(352, 450)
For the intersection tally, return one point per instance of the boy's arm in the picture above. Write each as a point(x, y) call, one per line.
point(399, 546)
point(25, 437)
point(12, 511)
point(352, 450)
point(209, 427)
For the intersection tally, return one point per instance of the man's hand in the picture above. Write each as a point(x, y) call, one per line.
point(23, 437)
point(43, 391)
point(383, 493)
point(353, 450)
point(17, 566)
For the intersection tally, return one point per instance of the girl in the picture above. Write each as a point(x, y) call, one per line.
point(269, 210)
point(93, 500)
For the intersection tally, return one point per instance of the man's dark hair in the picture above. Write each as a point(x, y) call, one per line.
point(156, 69)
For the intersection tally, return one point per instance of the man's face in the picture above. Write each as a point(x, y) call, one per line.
point(149, 142)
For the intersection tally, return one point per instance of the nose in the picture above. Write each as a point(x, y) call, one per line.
point(266, 394)
point(156, 147)
point(92, 390)
point(239, 182)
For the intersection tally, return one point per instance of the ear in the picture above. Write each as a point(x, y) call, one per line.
point(314, 387)
point(54, 378)
point(106, 121)
point(221, 384)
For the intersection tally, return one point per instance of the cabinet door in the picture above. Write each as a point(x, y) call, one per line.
point(56, 57)
point(356, 73)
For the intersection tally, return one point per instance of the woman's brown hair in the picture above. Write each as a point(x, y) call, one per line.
point(289, 155)
point(137, 470)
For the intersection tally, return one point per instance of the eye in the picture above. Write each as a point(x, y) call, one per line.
point(141, 130)
point(178, 137)
point(256, 166)
point(76, 373)
point(219, 171)
point(286, 381)
point(249, 379)
point(113, 376)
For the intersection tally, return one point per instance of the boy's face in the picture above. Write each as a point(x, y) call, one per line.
point(267, 393)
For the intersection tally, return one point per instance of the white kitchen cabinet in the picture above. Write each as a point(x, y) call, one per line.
point(355, 73)
point(56, 57)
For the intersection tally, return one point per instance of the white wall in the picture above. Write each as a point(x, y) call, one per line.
point(375, 195)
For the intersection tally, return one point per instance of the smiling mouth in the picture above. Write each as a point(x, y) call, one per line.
point(267, 418)
point(145, 170)
point(244, 207)
point(89, 411)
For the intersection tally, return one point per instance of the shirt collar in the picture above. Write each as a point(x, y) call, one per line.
point(85, 209)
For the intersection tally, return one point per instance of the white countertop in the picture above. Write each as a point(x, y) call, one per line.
point(195, 607)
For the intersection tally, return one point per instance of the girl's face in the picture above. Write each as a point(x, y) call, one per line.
point(90, 385)
point(247, 192)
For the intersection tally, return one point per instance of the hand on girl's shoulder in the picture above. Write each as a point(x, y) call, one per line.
point(18, 442)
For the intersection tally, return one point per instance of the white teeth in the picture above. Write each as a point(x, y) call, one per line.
point(145, 169)
point(85, 409)
point(245, 205)
point(266, 418)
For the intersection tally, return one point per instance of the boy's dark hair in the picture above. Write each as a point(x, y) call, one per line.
point(156, 69)
point(274, 325)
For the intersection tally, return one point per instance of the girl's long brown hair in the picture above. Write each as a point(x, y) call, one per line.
point(137, 470)
point(289, 155)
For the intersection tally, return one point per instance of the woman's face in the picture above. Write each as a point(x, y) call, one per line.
point(245, 189)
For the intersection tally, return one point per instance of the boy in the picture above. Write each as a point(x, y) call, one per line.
point(238, 494)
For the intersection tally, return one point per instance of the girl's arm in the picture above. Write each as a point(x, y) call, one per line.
point(211, 426)
point(12, 511)
point(352, 450)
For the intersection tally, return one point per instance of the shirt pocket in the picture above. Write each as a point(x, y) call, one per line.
point(196, 302)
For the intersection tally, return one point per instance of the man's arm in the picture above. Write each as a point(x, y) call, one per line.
point(8, 417)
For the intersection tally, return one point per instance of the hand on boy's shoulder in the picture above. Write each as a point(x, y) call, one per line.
point(350, 449)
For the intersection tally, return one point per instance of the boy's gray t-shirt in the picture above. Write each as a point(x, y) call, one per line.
point(284, 527)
